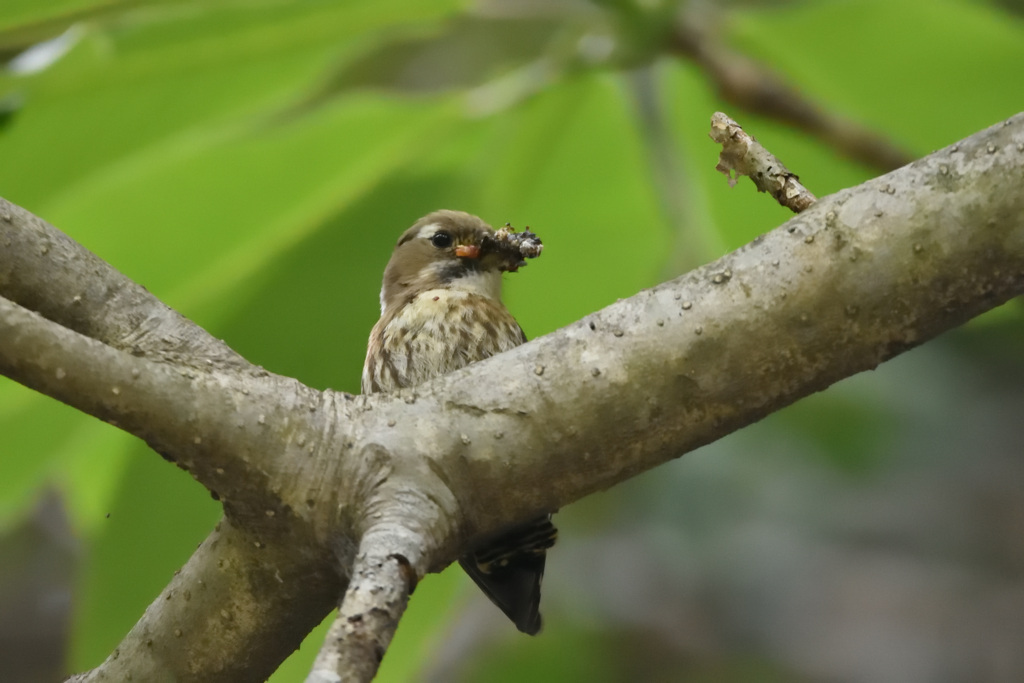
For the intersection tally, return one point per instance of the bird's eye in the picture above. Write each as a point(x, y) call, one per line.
point(441, 240)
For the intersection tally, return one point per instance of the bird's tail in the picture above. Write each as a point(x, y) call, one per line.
point(509, 570)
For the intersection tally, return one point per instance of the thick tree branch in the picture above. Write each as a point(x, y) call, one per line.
point(852, 281)
point(226, 427)
point(46, 271)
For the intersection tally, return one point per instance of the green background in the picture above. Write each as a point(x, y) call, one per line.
point(252, 163)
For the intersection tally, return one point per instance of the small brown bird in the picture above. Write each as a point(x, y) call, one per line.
point(441, 310)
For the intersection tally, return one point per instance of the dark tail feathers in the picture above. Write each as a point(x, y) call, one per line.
point(509, 570)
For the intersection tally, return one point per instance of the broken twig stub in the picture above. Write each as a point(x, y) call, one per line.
point(743, 155)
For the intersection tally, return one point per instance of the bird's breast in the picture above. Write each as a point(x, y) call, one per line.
point(438, 331)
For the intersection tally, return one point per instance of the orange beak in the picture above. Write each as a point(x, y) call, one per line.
point(467, 251)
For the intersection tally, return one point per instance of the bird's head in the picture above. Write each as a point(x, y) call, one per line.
point(447, 250)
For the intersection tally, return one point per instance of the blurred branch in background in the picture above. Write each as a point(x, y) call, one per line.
point(757, 89)
point(38, 561)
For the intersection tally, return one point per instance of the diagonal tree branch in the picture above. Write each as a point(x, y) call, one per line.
point(234, 612)
point(377, 596)
point(46, 271)
point(857, 278)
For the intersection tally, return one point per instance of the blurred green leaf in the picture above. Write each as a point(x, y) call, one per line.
point(159, 82)
point(462, 53)
point(19, 13)
point(33, 427)
point(46, 445)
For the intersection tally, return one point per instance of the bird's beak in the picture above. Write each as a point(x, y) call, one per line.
point(467, 251)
